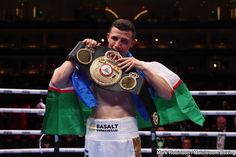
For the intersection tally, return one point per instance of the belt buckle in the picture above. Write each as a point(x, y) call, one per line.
point(104, 70)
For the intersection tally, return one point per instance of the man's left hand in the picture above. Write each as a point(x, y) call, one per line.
point(129, 62)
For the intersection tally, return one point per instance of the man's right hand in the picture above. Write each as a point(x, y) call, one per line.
point(72, 55)
point(91, 43)
point(88, 43)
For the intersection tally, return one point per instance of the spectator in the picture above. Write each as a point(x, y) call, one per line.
point(164, 141)
point(186, 143)
point(40, 105)
point(225, 105)
point(221, 141)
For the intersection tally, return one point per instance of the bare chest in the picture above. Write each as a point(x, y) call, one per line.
point(113, 104)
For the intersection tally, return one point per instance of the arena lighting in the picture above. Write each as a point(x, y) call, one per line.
point(112, 12)
point(140, 14)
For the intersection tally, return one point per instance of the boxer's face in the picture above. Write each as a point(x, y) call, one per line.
point(119, 40)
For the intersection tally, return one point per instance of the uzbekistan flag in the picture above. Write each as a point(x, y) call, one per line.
point(64, 114)
point(180, 107)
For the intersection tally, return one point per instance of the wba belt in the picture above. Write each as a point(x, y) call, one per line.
point(101, 65)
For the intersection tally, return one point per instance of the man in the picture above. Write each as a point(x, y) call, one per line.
point(221, 141)
point(112, 128)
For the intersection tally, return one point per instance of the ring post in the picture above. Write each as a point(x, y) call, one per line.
point(153, 141)
point(57, 144)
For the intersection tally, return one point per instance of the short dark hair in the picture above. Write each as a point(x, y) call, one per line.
point(124, 25)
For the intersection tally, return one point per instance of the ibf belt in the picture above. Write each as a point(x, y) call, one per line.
point(101, 66)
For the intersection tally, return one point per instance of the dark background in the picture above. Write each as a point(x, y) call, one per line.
point(194, 38)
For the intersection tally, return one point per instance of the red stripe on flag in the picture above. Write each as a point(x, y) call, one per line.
point(176, 86)
point(61, 90)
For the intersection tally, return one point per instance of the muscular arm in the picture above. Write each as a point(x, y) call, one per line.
point(157, 81)
point(61, 75)
point(152, 74)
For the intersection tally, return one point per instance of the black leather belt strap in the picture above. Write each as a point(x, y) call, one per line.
point(140, 89)
point(99, 52)
point(149, 104)
point(152, 111)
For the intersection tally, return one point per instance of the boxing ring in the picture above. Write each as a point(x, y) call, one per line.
point(142, 133)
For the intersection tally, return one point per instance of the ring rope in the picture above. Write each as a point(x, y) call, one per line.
point(142, 133)
point(143, 150)
point(217, 112)
point(189, 133)
point(21, 110)
point(23, 91)
point(20, 132)
point(32, 110)
point(44, 92)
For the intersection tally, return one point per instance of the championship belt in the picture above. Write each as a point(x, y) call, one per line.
point(101, 65)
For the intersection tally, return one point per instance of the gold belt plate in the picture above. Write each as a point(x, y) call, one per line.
point(105, 72)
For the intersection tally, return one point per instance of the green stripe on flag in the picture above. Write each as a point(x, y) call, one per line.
point(64, 115)
point(181, 107)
